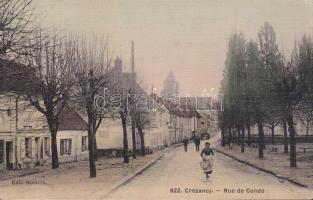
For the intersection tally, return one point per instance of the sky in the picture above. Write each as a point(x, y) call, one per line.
point(187, 36)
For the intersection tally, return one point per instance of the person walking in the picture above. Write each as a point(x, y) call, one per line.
point(207, 159)
point(185, 141)
point(194, 138)
point(197, 143)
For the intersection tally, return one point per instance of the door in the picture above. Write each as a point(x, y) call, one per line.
point(9, 155)
point(2, 156)
point(37, 149)
point(41, 148)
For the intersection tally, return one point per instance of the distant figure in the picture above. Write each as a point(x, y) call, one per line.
point(197, 142)
point(185, 141)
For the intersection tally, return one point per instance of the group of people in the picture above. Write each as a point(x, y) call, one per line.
point(206, 154)
point(196, 140)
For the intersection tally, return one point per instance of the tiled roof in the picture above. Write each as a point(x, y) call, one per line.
point(69, 119)
point(15, 77)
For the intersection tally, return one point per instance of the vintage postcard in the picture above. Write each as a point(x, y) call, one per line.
point(156, 99)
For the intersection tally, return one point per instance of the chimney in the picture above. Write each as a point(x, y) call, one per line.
point(118, 65)
point(133, 57)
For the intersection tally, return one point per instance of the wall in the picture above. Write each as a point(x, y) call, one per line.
point(110, 133)
point(22, 161)
point(15, 127)
point(76, 152)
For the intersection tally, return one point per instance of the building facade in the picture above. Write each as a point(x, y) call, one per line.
point(110, 133)
point(25, 139)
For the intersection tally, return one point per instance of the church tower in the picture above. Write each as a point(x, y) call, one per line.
point(171, 86)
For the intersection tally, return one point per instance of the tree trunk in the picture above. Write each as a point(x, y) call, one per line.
point(292, 136)
point(134, 136)
point(91, 149)
point(125, 140)
point(285, 137)
point(54, 148)
point(307, 132)
point(142, 141)
point(53, 127)
point(96, 148)
point(261, 139)
point(95, 139)
point(243, 139)
point(238, 136)
point(249, 134)
point(229, 136)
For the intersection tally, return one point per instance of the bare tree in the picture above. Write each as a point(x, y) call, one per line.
point(142, 122)
point(123, 101)
point(271, 124)
point(123, 114)
point(49, 91)
point(16, 20)
point(142, 114)
point(122, 90)
point(92, 77)
point(305, 115)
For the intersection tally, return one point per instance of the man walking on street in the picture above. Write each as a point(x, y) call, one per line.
point(185, 141)
point(197, 142)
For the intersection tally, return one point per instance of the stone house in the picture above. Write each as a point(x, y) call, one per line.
point(25, 138)
point(24, 135)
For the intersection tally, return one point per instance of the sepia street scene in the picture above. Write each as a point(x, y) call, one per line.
point(156, 99)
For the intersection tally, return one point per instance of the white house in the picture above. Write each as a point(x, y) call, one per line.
point(25, 139)
point(72, 137)
point(182, 119)
point(156, 134)
point(24, 135)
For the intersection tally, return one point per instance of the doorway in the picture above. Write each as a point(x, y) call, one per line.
point(9, 155)
point(37, 148)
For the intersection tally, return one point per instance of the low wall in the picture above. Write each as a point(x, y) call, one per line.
point(118, 152)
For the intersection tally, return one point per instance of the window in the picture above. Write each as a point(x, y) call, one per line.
point(47, 146)
point(84, 143)
point(65, 147)
point(28, 147)
point(1, 151)
point(9, 112)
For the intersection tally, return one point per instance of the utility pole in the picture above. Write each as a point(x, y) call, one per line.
point(16, 128)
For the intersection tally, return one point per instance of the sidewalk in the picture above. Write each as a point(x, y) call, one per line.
point(276, 163)
point(71, 180)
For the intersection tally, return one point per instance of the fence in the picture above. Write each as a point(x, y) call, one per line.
point(278, 139)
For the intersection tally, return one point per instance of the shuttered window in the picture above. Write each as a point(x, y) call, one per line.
point(47, 146)
point(1, 151)
point(22, 148)
point(84, 143)
point(65, 147)
point(28, 147)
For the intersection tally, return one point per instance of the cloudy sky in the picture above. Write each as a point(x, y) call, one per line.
point(186, 36)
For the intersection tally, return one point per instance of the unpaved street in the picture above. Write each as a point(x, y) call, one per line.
point(178, 176)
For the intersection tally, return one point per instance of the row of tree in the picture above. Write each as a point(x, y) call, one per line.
point(263, 87)
point(62, 71)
